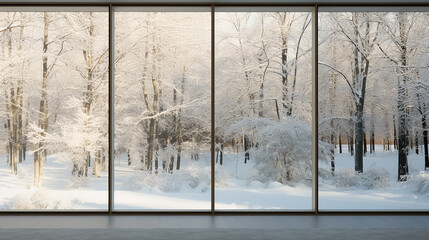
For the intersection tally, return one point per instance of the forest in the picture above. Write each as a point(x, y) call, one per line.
point(373, 101)
point(373, 96)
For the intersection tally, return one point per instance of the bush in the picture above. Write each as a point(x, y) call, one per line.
point(37, 199)
point(420, 182)
point(282, 149)
point(346, 177)
point(192, 178)
point(373, 178)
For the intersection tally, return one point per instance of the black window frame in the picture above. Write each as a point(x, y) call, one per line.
point(213, 5)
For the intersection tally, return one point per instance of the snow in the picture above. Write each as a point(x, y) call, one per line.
point(59, 189)
point(241, 191)
point(234, 190)
point(189, 188)
point(394, 196)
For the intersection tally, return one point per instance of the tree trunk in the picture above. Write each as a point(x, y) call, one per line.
point(261, 61)
point(395, 135)
point(38, 153)
point(87, 165)
point(332, 140)
point(221, 154)
point(161, 140)
point(388, 144)
point(12, 116)
point(402, 105)
point(36, 170)
point(217, 151)
point(372, 134)
point(360, 74)
point(14, 132)
point(88, 56)
point(402, 144)
point(246, 148)
point(365, 145)
point(359, 137)
point(384, 144)
point(96, 165)
point(151, 137)
point(9, 130)
point(20, 102)
point(295, 73)
point(340, 144)
point(285, 84)
point(144, 160)
point(103, 161)
point(24, 141)
point(425, 140)
point(129, 157)
point(332, 93)
point(151, 140)
point(179, 121)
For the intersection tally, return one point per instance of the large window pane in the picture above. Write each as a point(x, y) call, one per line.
point(263, 110)
point(373, 105)
point(53, 103)
point(162, 109)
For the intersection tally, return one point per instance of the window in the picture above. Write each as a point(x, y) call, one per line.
point(213, 108)
point(263, 109)
point(373, 107)
point(54, 108)
point(162, 109)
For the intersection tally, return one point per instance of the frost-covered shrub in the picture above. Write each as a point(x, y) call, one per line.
point(80, 136)
point(324, 174)
point(420, 182)
point(282, 149)
point(34, 198)
point(192, 178)
point(372, 178)
point(346, 177)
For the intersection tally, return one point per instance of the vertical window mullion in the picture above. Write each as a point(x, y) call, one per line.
point(315, 112)
point(212, 100)
point(111, 105)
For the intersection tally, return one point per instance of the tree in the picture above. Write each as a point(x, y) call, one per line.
point(162, 104)
point(261, 56)
point(39, 151)
point(399, 32)
point(361, 34)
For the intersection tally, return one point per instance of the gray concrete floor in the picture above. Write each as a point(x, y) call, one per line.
point(214, 227)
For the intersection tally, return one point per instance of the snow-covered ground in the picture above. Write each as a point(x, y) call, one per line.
point(189, 188)
point(389, 195)
point(186, 189)
point(58, 191)
point(238, 191)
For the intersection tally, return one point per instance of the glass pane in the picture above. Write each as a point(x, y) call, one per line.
point(263, 111)
point(373, 105)
point(162, 110)
point(54, 78)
